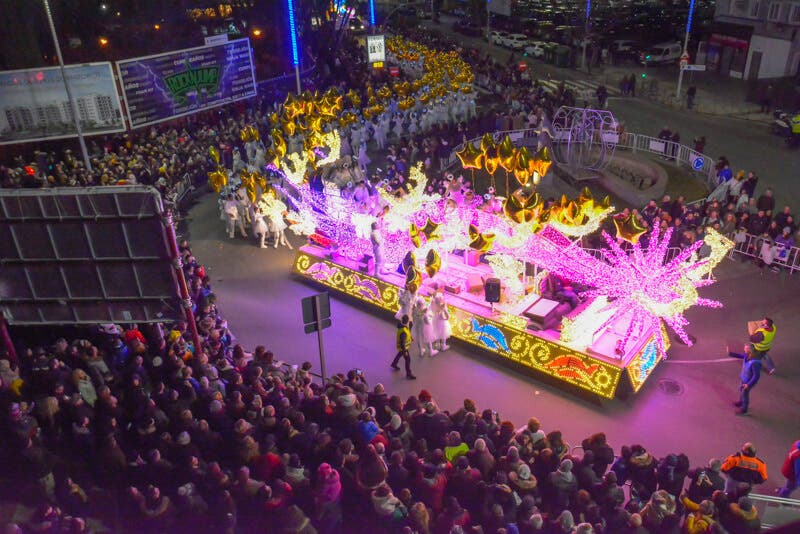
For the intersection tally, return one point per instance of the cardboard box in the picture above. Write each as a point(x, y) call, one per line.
point(473, 257)
point(474, 283)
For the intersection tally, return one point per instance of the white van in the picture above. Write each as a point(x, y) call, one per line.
point(661, 54)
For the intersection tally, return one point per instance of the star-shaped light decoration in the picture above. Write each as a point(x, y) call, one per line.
point(629, 228)
point(523, 207)
point(471, 157)
point(482, 242)
point(403, 209)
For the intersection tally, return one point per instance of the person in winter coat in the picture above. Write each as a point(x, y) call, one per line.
point(388, 507)
point(481, 458)
point(744, 467)
point(743, 517)
point(430, 487)
point(455, 447)
point(523, 482)
point(705, 481)
point(296, 522)
point(701, 517)
point(327, 497)
point(454, 516)
point(603, 453)
point(371, 470)
point(791, 470)
point(660, 505)
point(564, 485)
point(672, 473)
point(642, 471)
point(587, 478)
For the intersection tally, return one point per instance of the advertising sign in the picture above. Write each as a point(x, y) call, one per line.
point(162, 87)
point(34, 105)
point(376, 49)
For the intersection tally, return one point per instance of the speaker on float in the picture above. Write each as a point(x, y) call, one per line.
point(491, 290)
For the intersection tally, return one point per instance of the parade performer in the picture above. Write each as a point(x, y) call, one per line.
point(761, 335)
point(275, 211)
point(231, 210)
point(260, 228)
point(441, 322)
point(376, 239)
point(406, 299)
point(403, 343)
point(422, 327)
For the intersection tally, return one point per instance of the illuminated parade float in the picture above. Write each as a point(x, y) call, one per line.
point(513, 273)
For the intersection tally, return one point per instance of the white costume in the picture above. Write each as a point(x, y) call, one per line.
point(231, 210)
point(274, 210)
point(260, 228)
point(406, 300)
point(422, 328)
point(376, 239)
point(441, 322)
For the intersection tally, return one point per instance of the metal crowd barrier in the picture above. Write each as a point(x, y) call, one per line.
point(748, 245)
point(775, 511)
point(701, 164)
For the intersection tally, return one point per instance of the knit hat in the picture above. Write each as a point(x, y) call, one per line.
point(537, 436)
point(346, 401)
point(584, 528)
point(425, 396)
point(707, 507)
point(395, 421)
point(566, 466)
point(480, 445)
point(787, 229)
point(537, 521)
point(183, 438)
point(715, 465)
point(566, 519)
point(524, 472)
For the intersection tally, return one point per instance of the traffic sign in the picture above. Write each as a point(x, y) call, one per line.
point(316, 317)
point(699, 68)
point(684, 60)
point(697, 163)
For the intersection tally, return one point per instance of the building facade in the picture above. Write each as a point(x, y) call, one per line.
point(755, 39)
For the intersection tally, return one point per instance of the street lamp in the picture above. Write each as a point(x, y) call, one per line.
point(72, 104)
point(685, 47)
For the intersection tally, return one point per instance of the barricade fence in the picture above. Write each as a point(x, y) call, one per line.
point(750, 246)
point(703, 166)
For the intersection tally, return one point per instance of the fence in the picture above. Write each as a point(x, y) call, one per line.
point(748, 245)
point(700, 164)
point(775, 511)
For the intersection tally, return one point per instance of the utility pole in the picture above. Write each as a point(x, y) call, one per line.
point(488, 24)
point(685, 47)
point(72, 104)
point(586, 33)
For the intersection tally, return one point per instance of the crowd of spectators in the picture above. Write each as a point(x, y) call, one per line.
point(215, 439)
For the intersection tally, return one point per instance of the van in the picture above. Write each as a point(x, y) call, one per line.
point(661, 54)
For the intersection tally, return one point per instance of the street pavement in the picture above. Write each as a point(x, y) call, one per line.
point(685, 405)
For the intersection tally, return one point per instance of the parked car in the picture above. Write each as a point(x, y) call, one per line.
point(468, 28)
point(535, 49)
point(661, 54)
point(516, 41)
point(498, 37)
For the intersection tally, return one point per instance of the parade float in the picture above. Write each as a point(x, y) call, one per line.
point(516, 279)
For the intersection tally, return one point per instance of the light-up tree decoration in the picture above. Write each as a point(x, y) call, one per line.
point(641, 283)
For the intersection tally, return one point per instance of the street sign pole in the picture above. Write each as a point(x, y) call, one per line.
point(685, 47)
point(318, 314)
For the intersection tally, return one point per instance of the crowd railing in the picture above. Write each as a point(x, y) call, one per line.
point(749, 246)
point(701, 165)
point(775, 511)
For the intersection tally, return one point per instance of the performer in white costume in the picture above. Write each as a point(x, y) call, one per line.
point(422, 328)
point(441, 321)
point(260, 228)
point(406, 300)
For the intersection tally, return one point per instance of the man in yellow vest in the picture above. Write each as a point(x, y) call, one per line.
point(761, 335)
point(403, 346)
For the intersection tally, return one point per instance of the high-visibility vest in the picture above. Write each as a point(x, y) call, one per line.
point(764, 346)
point(403, 344)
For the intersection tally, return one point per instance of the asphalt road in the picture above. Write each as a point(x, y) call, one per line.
point(262, 303)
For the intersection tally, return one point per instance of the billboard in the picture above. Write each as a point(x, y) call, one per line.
point(164, 86)
point(376, 48)
point(34, 105)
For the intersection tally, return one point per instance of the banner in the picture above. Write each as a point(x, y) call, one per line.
point(376, 49)
point(34, 105)
point(164, 86)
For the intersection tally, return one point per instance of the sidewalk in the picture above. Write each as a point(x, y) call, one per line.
point(716, 95)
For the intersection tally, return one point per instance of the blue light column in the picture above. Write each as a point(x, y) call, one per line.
point(685, 47)
point(372, 15)
point(293, 38)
